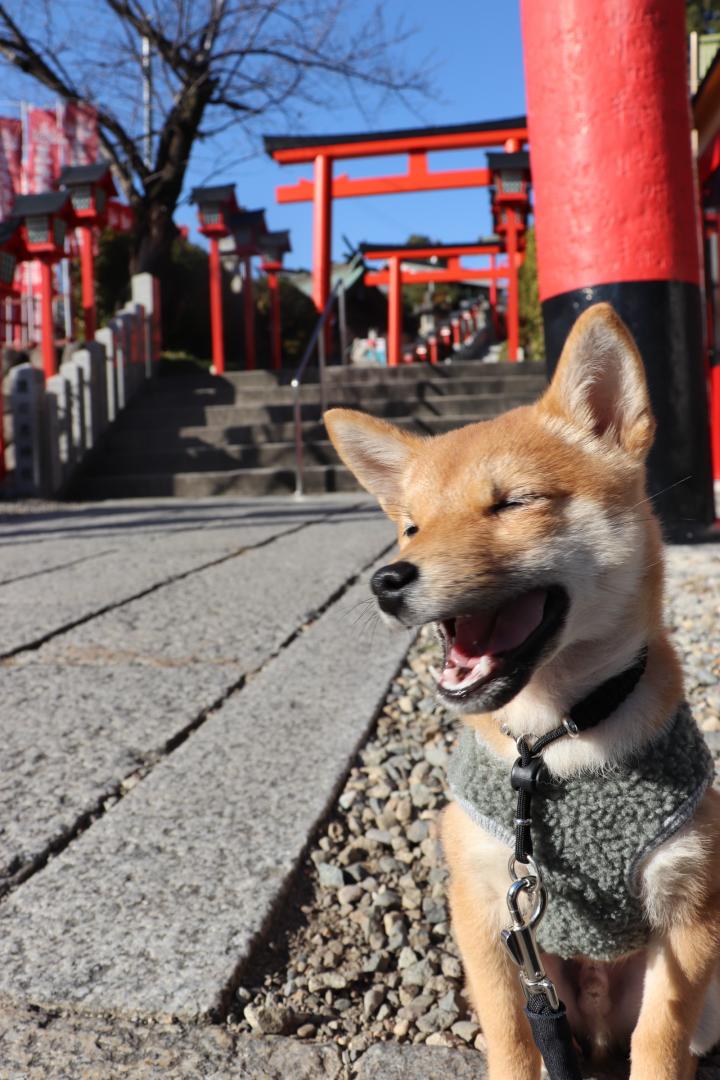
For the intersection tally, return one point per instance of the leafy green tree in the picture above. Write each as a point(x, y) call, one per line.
point(702, 16)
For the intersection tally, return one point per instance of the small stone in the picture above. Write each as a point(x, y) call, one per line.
point(406, 958)
point(372, 1000)
point(326, 980)
point(421, 795)
point(405, 704)
point(306, 1031)
point(269, 1019)
point(436, 756)
point(386, 898)
point(433, 910)
point(401, 1029)
point(417, 832)
point(451, 967)
point(417, 974)
point(331, 877)
point(451, 1003)
point(349, 894)
point(465, 1030)
point(379, 836)
point(377, 961)
point(439, 1038)
point(435, 1020)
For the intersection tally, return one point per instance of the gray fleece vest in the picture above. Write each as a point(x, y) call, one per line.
point(590, 839)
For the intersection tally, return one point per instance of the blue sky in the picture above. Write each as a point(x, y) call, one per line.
point(475, 51)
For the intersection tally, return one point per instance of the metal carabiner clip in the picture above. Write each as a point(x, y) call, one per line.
point(519, 940)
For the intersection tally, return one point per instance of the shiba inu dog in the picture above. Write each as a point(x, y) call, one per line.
point(529, 542)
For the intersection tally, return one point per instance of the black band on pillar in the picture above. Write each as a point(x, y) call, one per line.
point(666, 319)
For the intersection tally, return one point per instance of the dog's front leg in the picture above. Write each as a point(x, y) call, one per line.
point(492, 978)
point(678, 972)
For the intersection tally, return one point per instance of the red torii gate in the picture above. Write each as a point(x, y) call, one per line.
point(323, 150)
point(395, 276)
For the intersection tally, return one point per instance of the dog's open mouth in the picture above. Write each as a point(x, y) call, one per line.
point(481, 647)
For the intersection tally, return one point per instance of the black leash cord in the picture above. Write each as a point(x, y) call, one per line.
point(529, 776)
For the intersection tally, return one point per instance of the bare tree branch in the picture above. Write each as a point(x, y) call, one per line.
point(217, 63)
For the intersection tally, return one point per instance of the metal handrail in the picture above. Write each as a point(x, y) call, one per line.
point(317, 338)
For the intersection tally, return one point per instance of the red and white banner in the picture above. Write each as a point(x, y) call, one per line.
point(82, 143)
point(10, 163)
point(45, 149)
point(67, 135)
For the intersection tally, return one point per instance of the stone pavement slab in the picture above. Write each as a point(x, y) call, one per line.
point(392, 1061)
point(235, 613)
point(59, 582)
point(156, 907)
point(37, 1045)
point(92, 706)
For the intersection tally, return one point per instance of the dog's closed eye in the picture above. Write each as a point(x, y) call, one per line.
point(516, 502)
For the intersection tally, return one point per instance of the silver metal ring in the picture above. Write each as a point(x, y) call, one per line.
point(534, 869)
point(531, 886)
point(571, 727)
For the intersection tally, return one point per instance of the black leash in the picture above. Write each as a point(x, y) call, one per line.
point(529, 777)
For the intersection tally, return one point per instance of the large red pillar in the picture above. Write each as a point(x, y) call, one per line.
point(46, 320)
point(216, 314)
point(616, 208)
point(87, 274)
point(394, 342)
point(249, 315)
point(513, 305)
point(322, 230)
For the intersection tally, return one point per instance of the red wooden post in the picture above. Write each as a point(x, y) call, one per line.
point(513, 307)
point(394, 345)
point(46, 321)
point(433, 345)
point(616, 209)
point(322, 230)
point(87, 273)
point(216, 314)
point(249, 311)
point(493, 296)
point(275, 327)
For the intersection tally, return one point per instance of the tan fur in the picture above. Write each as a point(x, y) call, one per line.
point(577, 458)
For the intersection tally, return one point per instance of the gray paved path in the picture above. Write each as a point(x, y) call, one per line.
point(184, 685)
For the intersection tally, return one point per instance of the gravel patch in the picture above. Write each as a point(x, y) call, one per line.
point(367, 955)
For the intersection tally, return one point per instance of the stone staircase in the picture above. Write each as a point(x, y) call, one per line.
point(193, 434)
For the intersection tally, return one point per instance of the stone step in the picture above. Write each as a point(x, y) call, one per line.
point(201, 458)
point(228, 415)
point(355, 393)
point(365, 372)
point(318, 479)
point(119, 442)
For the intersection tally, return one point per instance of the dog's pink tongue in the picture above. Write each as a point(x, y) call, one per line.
point(516, 621)
point(497, 631)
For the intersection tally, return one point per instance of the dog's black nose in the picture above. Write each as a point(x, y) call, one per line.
point(389, 582)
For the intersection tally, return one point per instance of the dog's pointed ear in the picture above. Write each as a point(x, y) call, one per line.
point(599, 385)
point(376, 452)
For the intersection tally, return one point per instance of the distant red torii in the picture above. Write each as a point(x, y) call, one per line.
point(452, 270)
point(322, 150)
